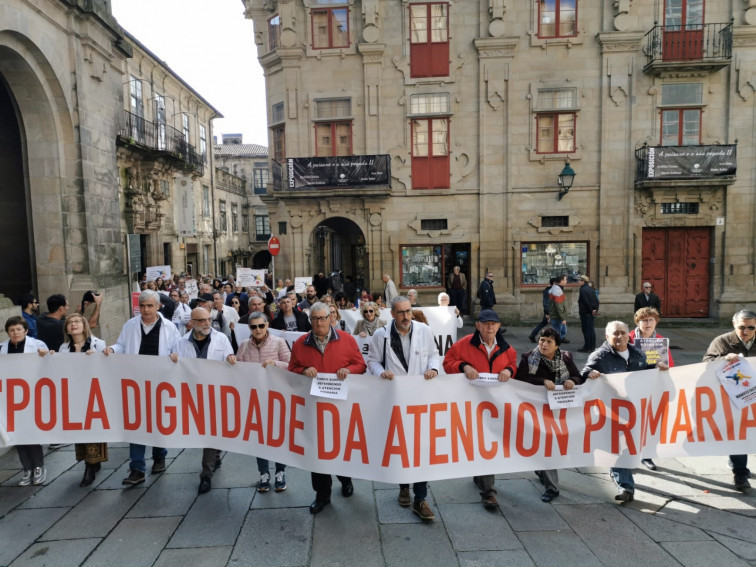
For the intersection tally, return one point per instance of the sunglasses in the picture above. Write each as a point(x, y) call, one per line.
point(260, 326)
point(369, 311)
point(749, 327)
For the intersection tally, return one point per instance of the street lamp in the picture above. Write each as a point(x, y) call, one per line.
point(565, 179)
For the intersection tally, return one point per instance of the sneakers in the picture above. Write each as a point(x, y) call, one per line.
point(158, 465)
point(263, 485)
point(26, 479)
point(490, 503)
point(40, 474)
point(649, 464)
point(741, 482)
point(54, 446)
point(405, 501)
point(624, 496)
point(135, 477)
point(280, 484)
point(424, 511)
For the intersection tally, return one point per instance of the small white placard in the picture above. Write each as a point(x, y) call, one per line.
point(329, 386)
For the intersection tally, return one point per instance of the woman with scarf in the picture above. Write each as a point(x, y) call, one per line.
point(547, 365)
point(370, 322)
point(78, 338)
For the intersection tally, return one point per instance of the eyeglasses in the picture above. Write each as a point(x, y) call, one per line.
point(749, 327)
point(405, 312)
point(205, 320)
point(260, 326)
point(320, 319)
point(369, 311)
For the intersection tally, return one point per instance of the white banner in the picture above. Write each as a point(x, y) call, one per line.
point(155, 272)
point(395, 431)
point(185, 205)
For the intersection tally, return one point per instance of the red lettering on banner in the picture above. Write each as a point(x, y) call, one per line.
point(417, 411)
point(295, 424)
point(96, 399)
point(254, 418)
point(745, 422)
point(45, 383)
point(322, 409)
point(213, 416)
point(276, 398)
point(148, 406)
point(706, 414)
point(728, 413)
point(562, 434)
point(356, 442)
point(160, 408)
point(189, 407)
point(12, 405)
point(536, 429)
point(652, 419)
point(590, 425)
point(506, 433)
point(226, 416)
point(682, 419)
point(435, 433)
point(487, 454)
point(460, 433)
point(130, 386)
point(68, 425)
point(625, 428)
point(396, 428)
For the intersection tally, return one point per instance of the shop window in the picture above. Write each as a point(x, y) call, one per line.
point(541, 261)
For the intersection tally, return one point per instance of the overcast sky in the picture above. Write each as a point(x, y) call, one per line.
point(210, 45)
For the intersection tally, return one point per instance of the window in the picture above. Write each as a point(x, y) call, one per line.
point(425, 104)
point(430, 153)
point(555, 128)
point(261, 176)
point(330, 27)
point(553, 222)
point(679, 208)
point(277, 113)
point(234, 217)
point(279, 144)
point(557, 18)
point(282, 227)
point(185, 126)
point(681, 126)
point(333, 138)
point(274, 32)
point(433, 224)
point(223, 219)
point(203, 141)
point(245, 223)
point(206, 201)
point(262, 227)
point(429, 40)
point(544, 260)
point(165, 188)
point(135, 95)
point(422, 266)
point(160, 120)
point(206, 259)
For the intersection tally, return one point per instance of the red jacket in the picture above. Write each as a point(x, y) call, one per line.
point(341, 352)
point(470, 350)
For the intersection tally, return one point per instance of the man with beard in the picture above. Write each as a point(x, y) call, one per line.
point(311, 297)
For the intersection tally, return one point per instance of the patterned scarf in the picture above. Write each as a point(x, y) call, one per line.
point(371, 326)
point(557, 368)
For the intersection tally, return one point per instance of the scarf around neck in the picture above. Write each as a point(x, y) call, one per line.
point(556, 367)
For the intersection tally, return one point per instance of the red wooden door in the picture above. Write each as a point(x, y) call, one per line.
point(676, 262)
point(683, 30)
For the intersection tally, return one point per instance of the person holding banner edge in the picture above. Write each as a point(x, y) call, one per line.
point(326, 350)
point(739, 342)
point(404, 348)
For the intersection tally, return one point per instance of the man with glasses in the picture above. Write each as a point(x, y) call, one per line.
point(647, 298)
point(486, 292)
point(29, 306)
point(149, 333)
point(206, 343)
point(740, 341)
point(326, 350)
point(404, 348)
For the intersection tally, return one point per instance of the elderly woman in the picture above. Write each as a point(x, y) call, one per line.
point(443, 301)
point(412, 296)
point(31, 456)
point(77, 337)
point(646, 319)
point(370, 322)
point(549, 366)
point(265, 349)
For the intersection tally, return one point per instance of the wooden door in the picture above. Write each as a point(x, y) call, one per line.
point(677, 262)
point(683, 30)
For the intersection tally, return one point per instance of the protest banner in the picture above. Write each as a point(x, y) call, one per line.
point(155, 272)
point(247, 277)
point(655, 349)
point(192, 289)
point(392, 431)
point(301, 283)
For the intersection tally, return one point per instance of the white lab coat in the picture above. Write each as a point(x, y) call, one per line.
point(218, 349)
point(131, 337)
point(423, 352)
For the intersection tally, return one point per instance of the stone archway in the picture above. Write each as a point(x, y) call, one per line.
point(261, 260)
point(338, 245)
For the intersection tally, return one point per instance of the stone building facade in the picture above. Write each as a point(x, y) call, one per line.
point(479, 107)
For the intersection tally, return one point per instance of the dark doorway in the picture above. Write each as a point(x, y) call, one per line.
point(338, 245)
point(16, 269)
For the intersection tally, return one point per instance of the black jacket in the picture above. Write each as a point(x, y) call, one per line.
point(587, 301)
point(652, 301)
point(487, 294)
point(303, 323)
point(606, 360)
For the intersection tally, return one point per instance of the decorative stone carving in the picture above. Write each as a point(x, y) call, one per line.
point(647, 204)
point(370, 13)
point(623, 21)
point(750, 13)
point(619, 89)
point(496, 9)
point(746, 85)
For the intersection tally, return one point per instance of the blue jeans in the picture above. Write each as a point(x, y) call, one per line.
point(740, 465)
point(623, 478)
point(539, 326)
point(589, 330)
point(263, 466)
point(419, 488)
point(136, 454)
point(560, 326)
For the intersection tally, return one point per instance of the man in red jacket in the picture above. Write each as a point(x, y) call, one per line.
point(326, 350)
point(483, 351)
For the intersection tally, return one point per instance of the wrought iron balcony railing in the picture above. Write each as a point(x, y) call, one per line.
point(695, 43)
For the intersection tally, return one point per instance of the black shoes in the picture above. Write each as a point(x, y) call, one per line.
point(347, 489)
point(135, 477)
point(317, 506)
point(89, 475)
point(549, 495)
point(624, 496)
point(205, 485)
point(741, 482)
point(649, 464)
point(158, 465)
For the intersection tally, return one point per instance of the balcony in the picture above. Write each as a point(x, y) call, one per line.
point(160, 140)
point(685, 165)
point(695, 48)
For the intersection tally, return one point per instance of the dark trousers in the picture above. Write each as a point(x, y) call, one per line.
point(589, 330)
point(539, 326)
point(457, 298)
point(31, 456)
point(739, 465)
point(321, 484)
point(209, 456)
point(419, 488)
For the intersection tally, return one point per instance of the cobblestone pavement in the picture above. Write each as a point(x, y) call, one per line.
point(685, 513)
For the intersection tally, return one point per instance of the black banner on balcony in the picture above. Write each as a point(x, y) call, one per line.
point(669, 162)
point(335, 172)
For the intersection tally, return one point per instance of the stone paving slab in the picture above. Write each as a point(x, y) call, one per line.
point(660, 529)
point(560, 547)
point(237, 471)
point(275, 538)
point(223, 509)
point(455, 491)
point(20, 528)
point(472, 528)
point(169, 495)
point(525, 511)
point(63, 491)
point(188, 461)
point(712, 520)
point(194, 557)
point(137, 542)
point(113, 478)
point(702, 554)
point(56, 553)
point(95, 516)
point(509, 558)
point(744, 549)
point(411, 545)
point(12, 496)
